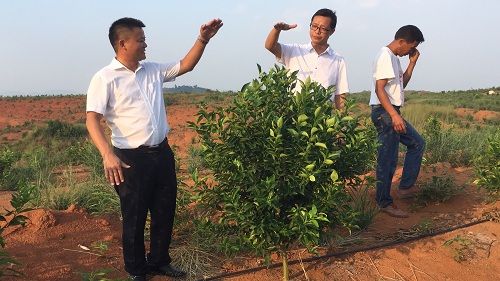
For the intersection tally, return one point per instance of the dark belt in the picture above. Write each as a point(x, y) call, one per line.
point(379, 105)
point(153, 148)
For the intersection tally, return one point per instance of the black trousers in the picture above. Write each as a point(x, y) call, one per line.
point(150, 185)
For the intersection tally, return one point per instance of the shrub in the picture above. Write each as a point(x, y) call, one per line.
point(280, 163)
point(487, 166)
point(58, 129)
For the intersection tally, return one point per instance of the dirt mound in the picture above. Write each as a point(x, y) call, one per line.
point(40, 219)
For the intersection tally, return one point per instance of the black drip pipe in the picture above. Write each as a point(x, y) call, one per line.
point(250, 270)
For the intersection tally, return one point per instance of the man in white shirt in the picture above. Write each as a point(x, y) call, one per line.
point(317, 59)
point(387, 97)
point(128, 93)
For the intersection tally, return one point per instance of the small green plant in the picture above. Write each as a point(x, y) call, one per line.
point(99, 275)
point(461, 246)
point(487, 167)
point(100, 247)
point(438, 188)
point(364, 210)
point(11, 218)
point(424, 227)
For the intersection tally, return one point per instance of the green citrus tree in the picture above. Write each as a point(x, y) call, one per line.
point(279, 164)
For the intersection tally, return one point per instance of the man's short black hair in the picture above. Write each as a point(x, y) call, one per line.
point(327, 13)
point(120, 26)
point(410, 34)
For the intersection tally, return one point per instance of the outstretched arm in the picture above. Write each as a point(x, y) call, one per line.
point(272, 39)
point(207, 31)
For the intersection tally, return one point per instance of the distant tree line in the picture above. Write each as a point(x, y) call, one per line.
point(185, 89)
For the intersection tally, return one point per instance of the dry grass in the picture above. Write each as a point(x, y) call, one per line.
point(399, 276)
point(197, 262)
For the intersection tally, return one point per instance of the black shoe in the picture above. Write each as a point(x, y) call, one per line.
point(137, 277)
point(167, 270)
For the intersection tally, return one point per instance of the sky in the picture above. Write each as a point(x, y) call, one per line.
point(56, 46)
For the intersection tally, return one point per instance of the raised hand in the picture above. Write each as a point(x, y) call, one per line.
point(209, 29)
point(284, 26)
point(413, 55)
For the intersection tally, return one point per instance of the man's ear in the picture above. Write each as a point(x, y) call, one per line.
point(121, 44)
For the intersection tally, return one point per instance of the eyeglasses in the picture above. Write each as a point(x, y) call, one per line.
point(321, 29)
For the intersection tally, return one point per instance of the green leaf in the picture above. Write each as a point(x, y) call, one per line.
point(310, 167)
point(302, 118)
point(18, 220)
point(313, 211)
point(315, 223)
point(280, 122)
point(331, 122)
point(334, 176)
point(293, 132)
point(317, 111)
point(320, 144)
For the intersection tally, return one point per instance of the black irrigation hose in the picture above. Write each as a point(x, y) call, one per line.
point(231, 274)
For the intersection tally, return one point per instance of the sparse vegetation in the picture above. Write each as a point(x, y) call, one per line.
point(437, 189)
point(99, 275)
point(462, 247)
point(51, 157)
point(450, 145)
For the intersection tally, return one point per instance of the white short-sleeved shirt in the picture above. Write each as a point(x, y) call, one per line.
point(327, 68)
point(132, 102)
point(387, 66)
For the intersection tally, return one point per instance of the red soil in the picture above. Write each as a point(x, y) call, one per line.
point(51, 246)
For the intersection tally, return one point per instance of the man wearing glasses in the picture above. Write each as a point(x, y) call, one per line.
point(317, 59)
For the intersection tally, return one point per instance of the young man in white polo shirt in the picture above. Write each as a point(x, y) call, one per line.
point(387, 97)
point(317, 59)
point(128, 93)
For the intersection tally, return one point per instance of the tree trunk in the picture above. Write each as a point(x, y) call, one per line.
point(284, 257)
